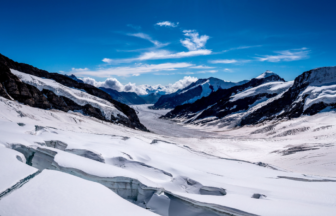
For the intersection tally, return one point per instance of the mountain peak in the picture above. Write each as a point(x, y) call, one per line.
point(265, 74)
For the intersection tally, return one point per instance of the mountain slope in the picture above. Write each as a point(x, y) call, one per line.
point(151, 98)
point(75, 78)
point(312, 92)
point(13, 88)
point(219, 104)
point(200, 88)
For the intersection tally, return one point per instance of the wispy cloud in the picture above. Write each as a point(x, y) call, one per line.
point(134, 26)
point(167, 24)
point(286, 55)
point(160, 54)
point(207, 71)
point(229, 61)
point(129, 71)
point(241, 47)
point(224, 61)
point(149, 38)
point(202, 67)
point(227, 70)
point(193, 40)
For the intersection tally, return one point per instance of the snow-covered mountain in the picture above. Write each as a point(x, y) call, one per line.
point(231, 100)
point(312, 92)
point(200, 88)
point(39, 88)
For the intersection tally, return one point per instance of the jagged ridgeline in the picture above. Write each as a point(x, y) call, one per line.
point(39, 88)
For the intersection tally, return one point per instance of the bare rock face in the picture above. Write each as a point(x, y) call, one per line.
point(12, 88)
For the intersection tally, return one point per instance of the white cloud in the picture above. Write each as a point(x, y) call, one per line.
point(167, 24)
point(193, 40)
point(208, 71)
point(113, 83)
point(286, 55)
point(227, 70)
point(224, 61)
point(241, 47)
point(164, 54)
point(202, 67)
point(134, 26)
point(129, 71)
point(160, 54)
point(149, 38)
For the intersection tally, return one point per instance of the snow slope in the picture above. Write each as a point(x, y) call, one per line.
point(77, 95)
point(265, 74)
point(269, 88)
point(208, 86)
point(177, 170)
point(54, 193)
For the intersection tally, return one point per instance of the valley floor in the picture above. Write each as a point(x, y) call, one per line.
point(306, 144)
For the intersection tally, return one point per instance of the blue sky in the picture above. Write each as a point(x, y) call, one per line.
point(160, 42)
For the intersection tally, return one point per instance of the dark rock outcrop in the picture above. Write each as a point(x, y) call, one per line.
point(75, 78)
point(12, 88)
point(257, 196)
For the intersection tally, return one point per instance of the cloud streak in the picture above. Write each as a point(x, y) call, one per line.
point(224, 61)
point(130, 71)
point(193, 42)
point(286, 55)
point(160, 54)
point(149, 38)
point(167, 24)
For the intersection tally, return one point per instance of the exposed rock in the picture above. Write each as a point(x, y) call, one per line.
point(295, 149)
point(205, 190)
point(257, 196)
point(56, 144)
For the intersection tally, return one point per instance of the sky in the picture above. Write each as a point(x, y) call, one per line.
point(161, 41)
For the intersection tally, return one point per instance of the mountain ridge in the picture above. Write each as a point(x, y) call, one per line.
point(30, 93)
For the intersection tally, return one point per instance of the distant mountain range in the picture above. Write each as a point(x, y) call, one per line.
point(266, 97)
point(193, 92)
